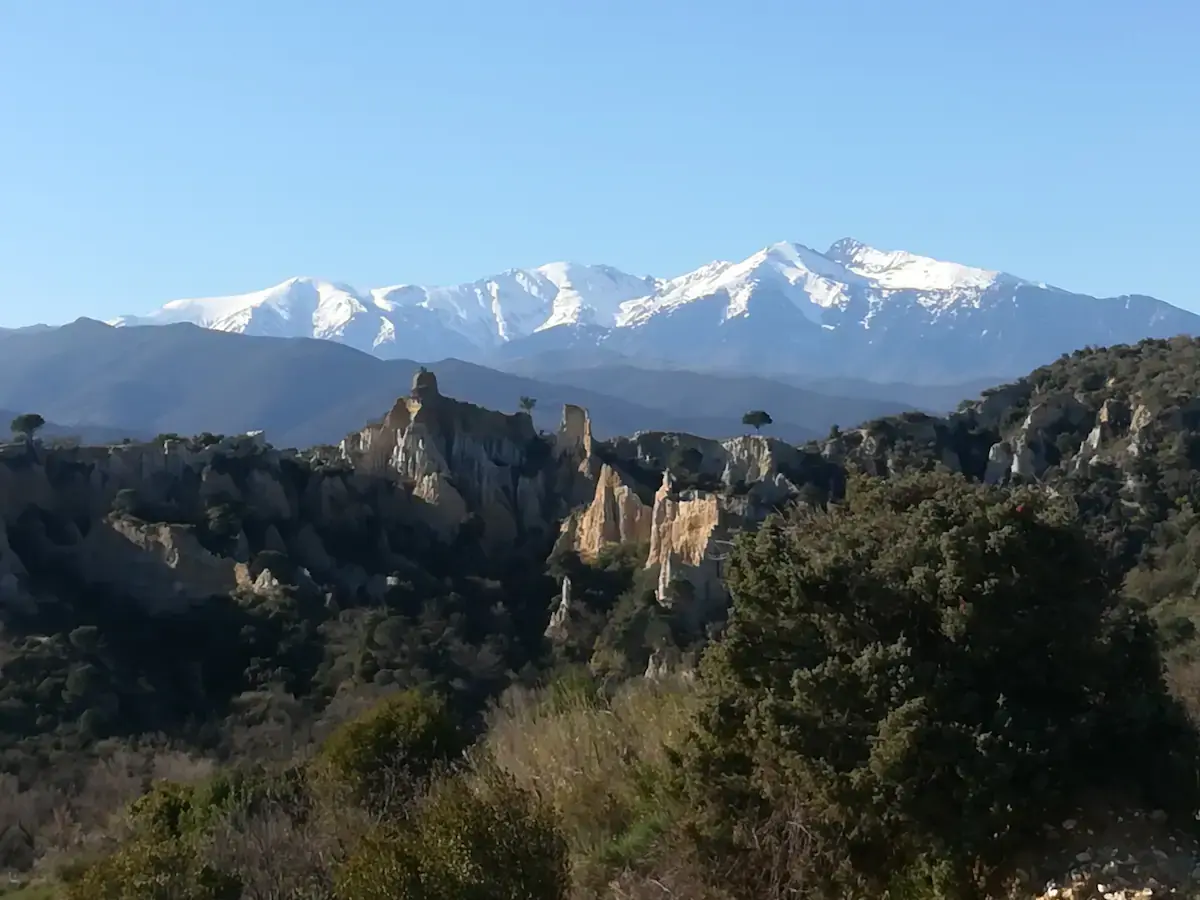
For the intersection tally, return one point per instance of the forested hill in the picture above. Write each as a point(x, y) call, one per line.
point(1117, 429)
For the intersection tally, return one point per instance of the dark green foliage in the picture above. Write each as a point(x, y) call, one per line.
point(94, 663)
point(104, 666)
point(171, 811)
point(685, 459)
point(757, 419)
point(394, 747)
point(919, 678)
point(148, 869)
point(1122, 492)
point(597, 589)
point(686, 467)
point(489, 841)
point(643, 478)
point(126, 502)
point(932, 671)
point(636, 626)
point(27, 425)
point(537, 454)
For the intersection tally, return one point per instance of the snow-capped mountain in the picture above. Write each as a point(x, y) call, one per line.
point(853, 310)
point(412, 321)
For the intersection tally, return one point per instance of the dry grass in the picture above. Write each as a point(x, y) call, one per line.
point(603, 764)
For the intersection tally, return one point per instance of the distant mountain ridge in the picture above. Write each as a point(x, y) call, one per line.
point(88, 434)
point(185, 379)
point(853, 310)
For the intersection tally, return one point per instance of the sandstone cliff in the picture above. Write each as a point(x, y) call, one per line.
point(685, 498)
point(473, 464)
point(168, 524)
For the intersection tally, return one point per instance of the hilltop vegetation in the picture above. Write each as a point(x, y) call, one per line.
point(913, 681)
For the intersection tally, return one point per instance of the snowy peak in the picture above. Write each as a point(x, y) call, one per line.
point(897, 270)
point(297, 307)
point(407, 318)
point(854, 309)
point(591, 295)
point(798, 275)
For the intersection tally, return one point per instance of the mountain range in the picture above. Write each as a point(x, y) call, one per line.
point(786, 311)
point(102, 382)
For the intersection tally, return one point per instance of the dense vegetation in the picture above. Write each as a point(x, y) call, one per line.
point(911, 684)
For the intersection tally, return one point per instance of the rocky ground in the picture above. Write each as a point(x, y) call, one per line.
point(1117, 857)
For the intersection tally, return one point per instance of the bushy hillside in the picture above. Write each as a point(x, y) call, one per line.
point(1116, 429)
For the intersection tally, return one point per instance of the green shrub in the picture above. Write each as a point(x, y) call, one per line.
point(149, 869)
point(922, 677)
point(394, 746)
point(166, 812)
point(172, 811)
point(485, 841)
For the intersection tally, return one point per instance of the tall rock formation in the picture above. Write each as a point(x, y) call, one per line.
point(474, 467)
point(685, 498)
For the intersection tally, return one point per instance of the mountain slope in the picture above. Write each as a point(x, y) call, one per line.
point(728, 396)
point(185, 379)
point(936, 398)
point(856, 311)
point(853, 310)
point(88, 434)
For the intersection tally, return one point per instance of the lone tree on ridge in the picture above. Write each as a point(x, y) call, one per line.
point(27, 425)
point(756, 419)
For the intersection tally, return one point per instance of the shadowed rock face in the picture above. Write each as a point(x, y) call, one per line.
point(469, 464)
point(162, 566)
point(145, 520)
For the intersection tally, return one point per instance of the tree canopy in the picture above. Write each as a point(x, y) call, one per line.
point(932, 667)
point(756, 419)
point(27, 425)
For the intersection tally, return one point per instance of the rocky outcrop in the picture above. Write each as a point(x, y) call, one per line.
point(1111, 422)
point(468, 463)
point(688, 545)
point(161, 566)
point(172, 523)
point(615, 515)
point(1046, 420)
point(685, 497)
point(558, 630)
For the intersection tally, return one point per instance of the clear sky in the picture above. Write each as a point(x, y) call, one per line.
point(152, 149)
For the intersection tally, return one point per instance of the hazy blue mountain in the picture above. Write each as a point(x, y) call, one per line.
point(186, 379)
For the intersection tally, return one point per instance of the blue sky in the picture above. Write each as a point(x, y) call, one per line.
point(154, 150)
